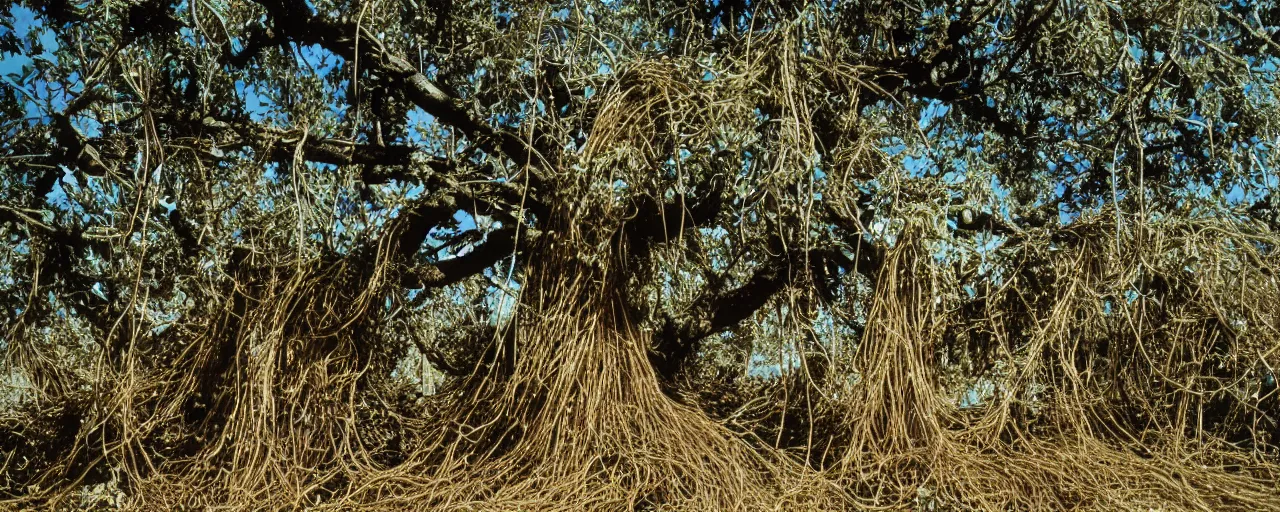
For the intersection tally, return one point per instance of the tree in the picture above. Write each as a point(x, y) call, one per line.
point(706, 255)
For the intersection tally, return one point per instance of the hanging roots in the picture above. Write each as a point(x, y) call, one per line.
point(1050, 436)
point(1106, 367)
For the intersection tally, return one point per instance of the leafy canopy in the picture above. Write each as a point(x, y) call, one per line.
point(845, 230)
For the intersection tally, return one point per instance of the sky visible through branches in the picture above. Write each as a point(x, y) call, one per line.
point(702, 255)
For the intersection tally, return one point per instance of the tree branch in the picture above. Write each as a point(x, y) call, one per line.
point(499, 244)
point(356, 43)
point(284, 143)
point(655, 222)
point(680, 337)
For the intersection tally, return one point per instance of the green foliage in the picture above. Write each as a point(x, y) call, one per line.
point(293, 251)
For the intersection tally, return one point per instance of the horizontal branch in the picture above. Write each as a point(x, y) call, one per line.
point(679, 338)
point(341, 152)
point(498, 245)
point(292, 21)
point(657, 222)
point(284, 143)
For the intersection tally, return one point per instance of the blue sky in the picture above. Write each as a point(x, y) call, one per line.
point(916, 160)
point(25, 23)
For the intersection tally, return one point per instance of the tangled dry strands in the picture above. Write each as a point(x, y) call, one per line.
point(1073, 420)
point(265, 399)
point(1094, 368)
point(569, 416)
point(270, 402)
point(896, 406)
point(646, 115)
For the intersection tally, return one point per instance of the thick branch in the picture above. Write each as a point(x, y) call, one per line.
point(283, 144)
point(356, 43)
point(412, 229)
point(679, 338)
point(499, 245)
point(655, 222)
point(341, 152)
